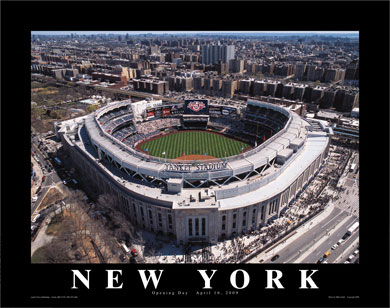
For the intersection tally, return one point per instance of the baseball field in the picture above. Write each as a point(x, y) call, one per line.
point(190, 143)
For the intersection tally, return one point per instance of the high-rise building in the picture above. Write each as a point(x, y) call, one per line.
point(339, 98)
point(328, 98)
point(154, 50)
point(208, 84)
point(288, 90)
point(317, 94)
point(330, 75)
point(222, 68)
point(246, 86)
point(279, 89)
point(250, 67)
point(350, 73)
point(236, 66)
point(271, 88)
point(228, 88)
point(311, 69)
point(319, 74)
point(350, 101)
point(198, 83)
point(299, 92)
point(217, 86)
point(307, 94)
point(211, 54)
point(228, 53)
point(259, 88)
point(341, 74)
point(171, 83)
point(187, 83)
point(300, 70)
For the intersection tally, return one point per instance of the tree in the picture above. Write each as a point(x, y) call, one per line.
point(106, 202)
point(57, 251)
point(92, 108)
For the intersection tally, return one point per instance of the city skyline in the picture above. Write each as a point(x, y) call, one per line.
point(348, 33)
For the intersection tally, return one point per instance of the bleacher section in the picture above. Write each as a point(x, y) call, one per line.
point(134, 138)
point(113, 114)
point(124, 132)
point(130, 135)
point(262, 121)
point(113, 124)
point(195, 122)
point(226, 123)
point(150, 126)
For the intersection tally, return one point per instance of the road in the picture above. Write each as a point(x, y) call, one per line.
point(346, 249)
point(311, 245)
point(51, 177)
point(333, 239)
point(293, 251)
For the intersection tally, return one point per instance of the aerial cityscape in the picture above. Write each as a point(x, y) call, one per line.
point(194, 147)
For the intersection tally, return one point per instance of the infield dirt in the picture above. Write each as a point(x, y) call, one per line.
point(194, 157)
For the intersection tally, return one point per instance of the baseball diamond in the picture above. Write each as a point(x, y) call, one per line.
point(133, 151)
point(192, 143)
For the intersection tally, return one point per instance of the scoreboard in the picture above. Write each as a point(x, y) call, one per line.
point(196, 106)
point(164, 111)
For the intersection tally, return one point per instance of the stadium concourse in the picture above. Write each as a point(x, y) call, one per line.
point(198, 200)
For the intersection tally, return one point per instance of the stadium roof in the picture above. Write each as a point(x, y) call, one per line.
point(315, 145)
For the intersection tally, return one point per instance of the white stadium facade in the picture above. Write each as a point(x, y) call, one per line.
point(194, 201)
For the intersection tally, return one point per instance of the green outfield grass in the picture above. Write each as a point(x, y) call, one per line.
point(192, 143)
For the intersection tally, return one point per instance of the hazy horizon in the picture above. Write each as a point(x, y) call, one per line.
point(55, 33)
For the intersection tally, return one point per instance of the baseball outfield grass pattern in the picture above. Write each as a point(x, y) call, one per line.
point(193, 143)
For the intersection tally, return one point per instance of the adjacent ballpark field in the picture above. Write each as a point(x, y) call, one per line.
point(185, 143)
point(237, 187)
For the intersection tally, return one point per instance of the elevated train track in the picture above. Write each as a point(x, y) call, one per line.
point(126, 93)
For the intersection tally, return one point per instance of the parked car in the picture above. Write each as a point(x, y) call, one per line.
point(275, 257)
point(326, 254)
point(345, 236)
point(35, 218)
point(320, 260)
point(134, 252)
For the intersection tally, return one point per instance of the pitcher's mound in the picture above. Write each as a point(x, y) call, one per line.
point(194, 157)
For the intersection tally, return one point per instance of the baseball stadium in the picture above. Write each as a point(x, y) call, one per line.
point(197, 171)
